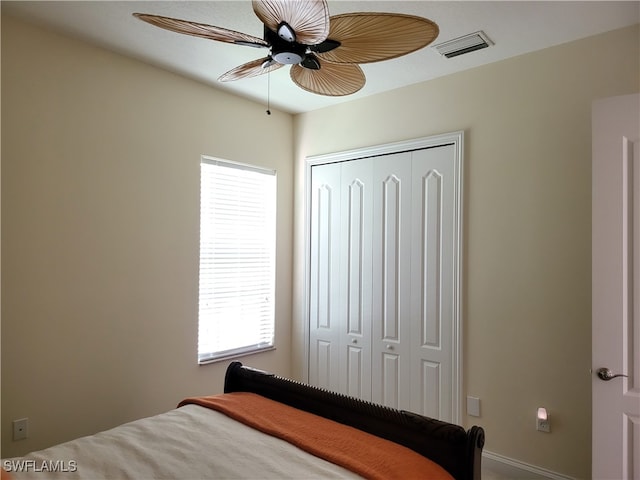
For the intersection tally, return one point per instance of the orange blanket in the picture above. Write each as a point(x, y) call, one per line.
point(365, 454)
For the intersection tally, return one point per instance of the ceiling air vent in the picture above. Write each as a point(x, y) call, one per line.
point(461, 45)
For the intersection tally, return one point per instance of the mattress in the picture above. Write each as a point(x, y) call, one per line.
point(191, 442)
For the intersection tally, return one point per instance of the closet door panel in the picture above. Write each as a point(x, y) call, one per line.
point(322, 361)
point(431, 384)
point(433, 289)
point(391, 276)
point(391, 380)
point(324, 306)
point(356, 289)
point(390, 237)
point(430, 251)
point(356, 379)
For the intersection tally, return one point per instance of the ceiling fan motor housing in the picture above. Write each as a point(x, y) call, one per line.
point(284, 51)
point(292, 55)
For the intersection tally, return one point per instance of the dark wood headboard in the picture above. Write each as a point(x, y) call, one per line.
point(456, 450)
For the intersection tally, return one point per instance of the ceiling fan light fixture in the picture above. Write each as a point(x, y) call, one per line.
point(286, 33)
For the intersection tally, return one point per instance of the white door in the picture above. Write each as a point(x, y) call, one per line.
point(616, 288)
point(392, 257)
point(433, 283)
point(325, 309)
point(383, 291)
point(340, 280)
point(356, 277)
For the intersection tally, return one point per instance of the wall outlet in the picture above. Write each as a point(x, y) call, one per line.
point(543, 424)
point(20, 429)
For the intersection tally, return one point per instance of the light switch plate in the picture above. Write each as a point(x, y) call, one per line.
point(473, 406)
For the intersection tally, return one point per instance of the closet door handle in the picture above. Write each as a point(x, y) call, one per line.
point(606, 374)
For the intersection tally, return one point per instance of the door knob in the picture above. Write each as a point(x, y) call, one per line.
point(606, 374)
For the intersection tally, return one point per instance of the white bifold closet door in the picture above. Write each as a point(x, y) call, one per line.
point(383, 282)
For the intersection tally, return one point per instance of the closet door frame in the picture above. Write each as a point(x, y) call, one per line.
point(457, 140)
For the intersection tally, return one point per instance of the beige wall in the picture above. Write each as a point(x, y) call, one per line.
point(100, 230)
point(100, 233)
point(527, 227)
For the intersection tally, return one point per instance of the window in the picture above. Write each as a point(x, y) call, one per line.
point(237, 259)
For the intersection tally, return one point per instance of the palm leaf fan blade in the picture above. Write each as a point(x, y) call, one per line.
point(202, 30)
point(308, 18)
point(332, 80)
point(250, 69)
point(372, 37)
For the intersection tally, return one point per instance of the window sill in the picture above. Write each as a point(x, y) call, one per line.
point(231, 356)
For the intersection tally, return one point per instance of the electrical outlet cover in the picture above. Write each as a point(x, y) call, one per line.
point(20, 429)
point(543, 425)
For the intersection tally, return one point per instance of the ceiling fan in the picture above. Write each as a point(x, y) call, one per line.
point(324, 52)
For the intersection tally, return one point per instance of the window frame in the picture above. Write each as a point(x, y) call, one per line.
point(206, 357)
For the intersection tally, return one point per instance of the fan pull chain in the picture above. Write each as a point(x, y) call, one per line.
point(268, 93)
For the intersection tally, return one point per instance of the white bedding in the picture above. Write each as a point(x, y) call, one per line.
point(189, 443)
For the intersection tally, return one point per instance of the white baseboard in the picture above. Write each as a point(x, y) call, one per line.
point(516, 470)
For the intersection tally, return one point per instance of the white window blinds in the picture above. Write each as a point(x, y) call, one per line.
point(237, 259)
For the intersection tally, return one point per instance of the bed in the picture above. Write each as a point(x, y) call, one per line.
point(265, 426)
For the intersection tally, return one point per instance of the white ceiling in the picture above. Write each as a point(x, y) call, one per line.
point(515, 27)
